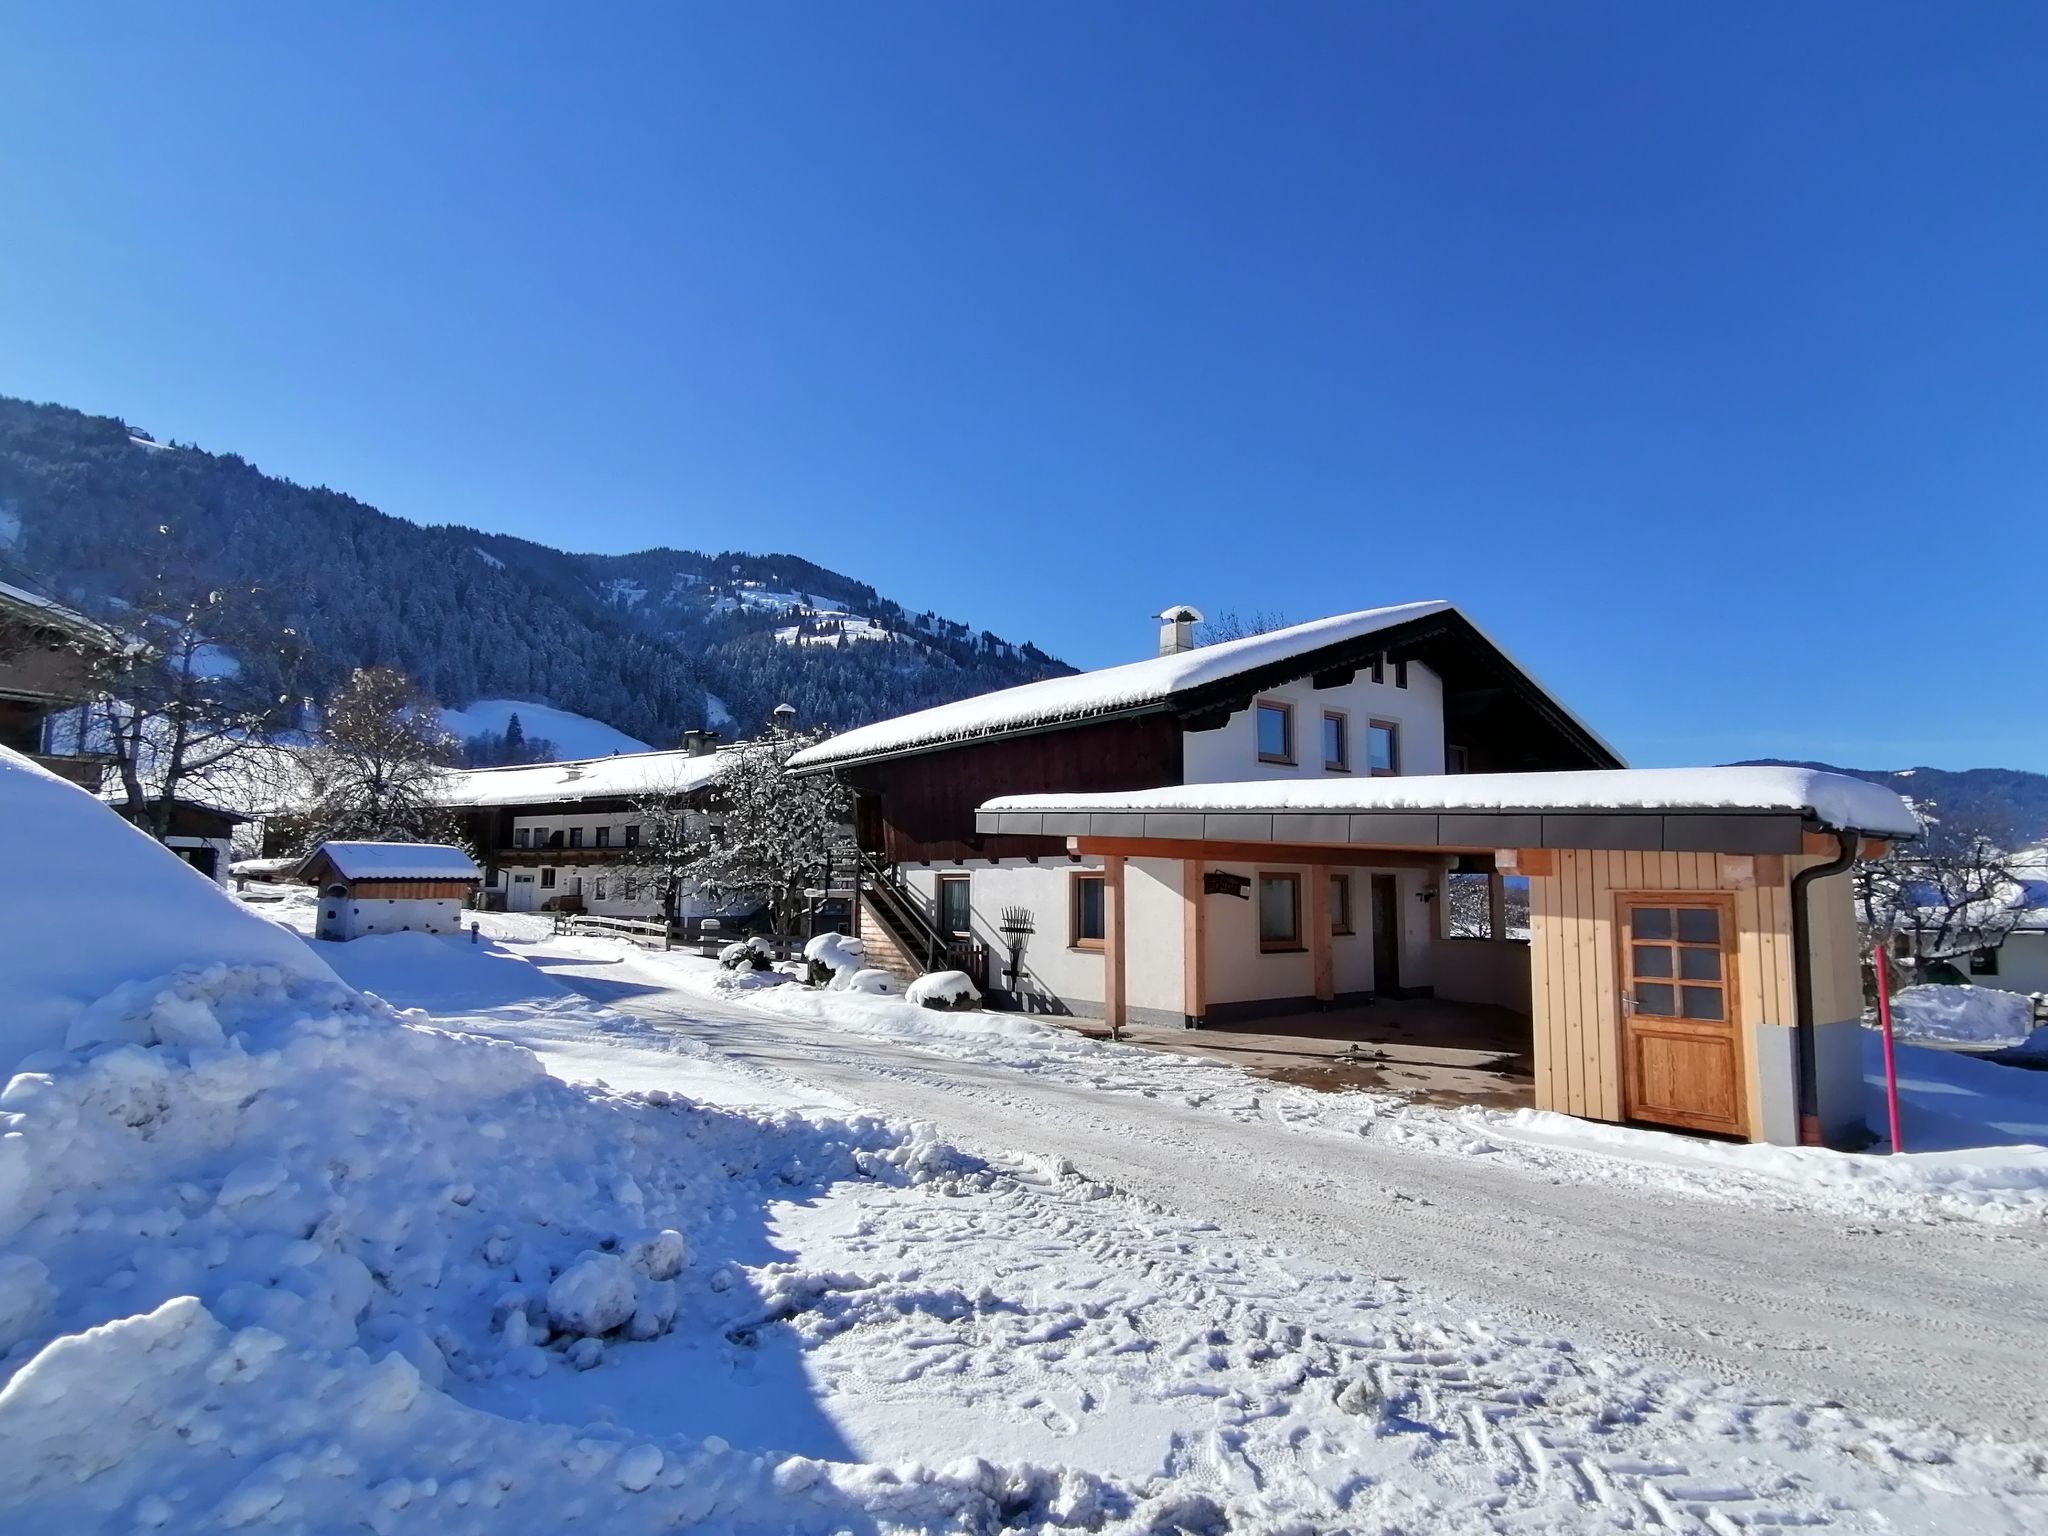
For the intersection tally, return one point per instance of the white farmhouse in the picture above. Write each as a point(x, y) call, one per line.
point(1276, 827)
point(371, 888)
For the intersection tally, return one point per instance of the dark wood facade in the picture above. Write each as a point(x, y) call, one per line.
point(918, 805)
point(921, 809)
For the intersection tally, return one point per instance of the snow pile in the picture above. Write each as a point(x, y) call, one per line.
point(943, 989)
point(268, 1266)
point(1949, 1015)
point(747, 955)
point(66, 944)
point(875, 983)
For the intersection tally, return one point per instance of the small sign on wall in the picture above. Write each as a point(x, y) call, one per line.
point(1221, 882)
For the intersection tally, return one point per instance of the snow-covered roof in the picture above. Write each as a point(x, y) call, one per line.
point(1832, 799)
point(53, 613)
point(1132, 687)
point(596, 778)
point(396, 861)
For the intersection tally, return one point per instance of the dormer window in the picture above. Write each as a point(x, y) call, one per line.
point(1276, 731)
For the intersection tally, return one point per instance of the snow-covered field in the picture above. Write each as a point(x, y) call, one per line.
point(594, 1244)
point(573, 735)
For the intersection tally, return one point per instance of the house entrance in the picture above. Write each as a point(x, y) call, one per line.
point(1386, 936)
point(520, 897)
point(1681, 1059)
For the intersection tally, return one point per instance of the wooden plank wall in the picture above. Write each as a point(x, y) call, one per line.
point(1573, 956)
point(412, 890)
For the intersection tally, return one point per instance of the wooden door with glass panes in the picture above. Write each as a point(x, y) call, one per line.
point(1680, 1042)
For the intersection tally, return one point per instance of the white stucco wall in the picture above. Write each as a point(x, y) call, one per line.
point(2022, 964)
point(1230, 753)
point(349, 917)
point(223, 852)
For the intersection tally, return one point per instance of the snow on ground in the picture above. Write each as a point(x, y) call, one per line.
point(1968, 1016)
point(2003, 1179)
point(573, 735)
point(277, 1253)
point(1031, 1314)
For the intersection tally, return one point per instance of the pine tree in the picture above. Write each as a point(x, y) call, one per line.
point(514, 750)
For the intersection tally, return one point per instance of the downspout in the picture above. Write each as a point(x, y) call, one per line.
point(1802, 985)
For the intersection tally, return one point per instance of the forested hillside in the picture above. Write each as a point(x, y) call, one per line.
point(651, 643)
point(2007, 805)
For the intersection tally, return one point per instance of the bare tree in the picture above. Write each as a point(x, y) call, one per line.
point(203, 677)
point(1939, 898)
point(377, 770)
point(1242, 626)
point(669, 842)
point(772, 837)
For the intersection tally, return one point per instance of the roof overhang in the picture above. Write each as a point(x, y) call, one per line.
point(1452, 831)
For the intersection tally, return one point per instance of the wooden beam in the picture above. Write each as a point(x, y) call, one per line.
point(1349, 855)
point(1194, 944)
point(1113, 943)
point(1320, 962)
point(1527, 861)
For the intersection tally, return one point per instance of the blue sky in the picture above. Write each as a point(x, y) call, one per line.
point(1701, 353)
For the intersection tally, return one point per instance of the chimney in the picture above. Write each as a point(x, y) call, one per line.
point(1177, 629)
point(698, 743)
point(783, 716)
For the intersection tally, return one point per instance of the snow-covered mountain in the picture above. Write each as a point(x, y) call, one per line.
point(648, 644)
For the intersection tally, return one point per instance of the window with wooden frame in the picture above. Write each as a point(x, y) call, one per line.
point(1457, 760)
point(1383, 748)
point(1336, 741)
point(522, 837)
point(1340, 905)
point(955, 904)
point(598, 892)
point(604, 837)
point(1983, 962)
point(633, 834)
point(1279, 913)
point(575, 837)
point(547, 877)
point(1275, 722)
point(1087, 919)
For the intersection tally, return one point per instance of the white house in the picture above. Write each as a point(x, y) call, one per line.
point(1274, 825)
point(372, 888)
point(558, 836)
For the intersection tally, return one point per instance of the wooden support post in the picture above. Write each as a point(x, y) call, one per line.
point(1113, 943)
point(1320, 960)
point(1496, 907)
point(1194, 944)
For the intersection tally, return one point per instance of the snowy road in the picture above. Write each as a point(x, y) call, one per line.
point(1916, 1322)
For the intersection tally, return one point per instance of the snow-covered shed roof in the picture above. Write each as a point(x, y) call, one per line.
point(1759, 809)
point(1186, 679)
point(621, 776)
point(46, 610)
point(394, 861)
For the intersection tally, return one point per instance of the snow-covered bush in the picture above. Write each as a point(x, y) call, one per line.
point(831, 958)
point(877, 983)
point(949, 990)
point(747, 955)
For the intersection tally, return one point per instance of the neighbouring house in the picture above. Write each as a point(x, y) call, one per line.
point(202, 835)
point(2013, 956)
point(569, 836)
point(370, 888)
point(48, 656)
point(1347, 811)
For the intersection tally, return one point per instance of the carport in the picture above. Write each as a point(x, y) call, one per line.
point(1692, 957)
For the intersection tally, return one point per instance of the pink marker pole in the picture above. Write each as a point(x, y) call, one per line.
point(1891, 1064)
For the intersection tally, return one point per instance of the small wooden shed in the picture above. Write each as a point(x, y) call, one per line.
point(372, 888)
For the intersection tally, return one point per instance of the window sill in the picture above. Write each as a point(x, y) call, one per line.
point(1088, 946)
point(1278, 762)
point(1283, 949)
point(1336, 767)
